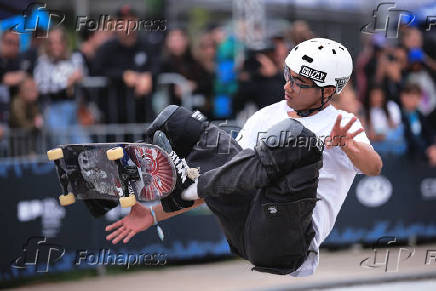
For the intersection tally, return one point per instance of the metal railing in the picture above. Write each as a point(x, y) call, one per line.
point(24, 144)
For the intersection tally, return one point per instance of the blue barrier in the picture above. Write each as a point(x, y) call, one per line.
point(30, 210)
point(400, 203)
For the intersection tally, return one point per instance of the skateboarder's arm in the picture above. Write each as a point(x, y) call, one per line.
point(162, 215)
point(139, 219)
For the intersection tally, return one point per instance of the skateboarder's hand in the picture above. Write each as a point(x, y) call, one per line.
point(139, 219)
point(339, 136)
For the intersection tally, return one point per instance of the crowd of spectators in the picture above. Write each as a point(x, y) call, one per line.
point(396, 94)
point(392, 90)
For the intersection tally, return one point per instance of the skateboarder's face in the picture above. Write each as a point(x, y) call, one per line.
point(301, 93)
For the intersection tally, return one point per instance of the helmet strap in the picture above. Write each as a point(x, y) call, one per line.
point(306, 113)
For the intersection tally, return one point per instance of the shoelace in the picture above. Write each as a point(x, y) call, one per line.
point(183, 169)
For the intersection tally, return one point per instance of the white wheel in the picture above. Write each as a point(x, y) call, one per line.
point(115, 153)
point(55, 154)
point(126, 202)
point(68, 199)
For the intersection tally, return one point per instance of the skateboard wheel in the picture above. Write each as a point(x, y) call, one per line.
point(55, 154)
point(126, 202)
point(115, 153)
point(68, 199)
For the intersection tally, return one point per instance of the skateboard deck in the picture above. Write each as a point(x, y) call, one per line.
point(114, 171)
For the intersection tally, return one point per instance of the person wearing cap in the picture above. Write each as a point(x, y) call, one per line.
point(278, 187)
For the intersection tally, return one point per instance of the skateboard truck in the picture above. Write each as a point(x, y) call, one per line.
point(57, 155)
point(127, 175)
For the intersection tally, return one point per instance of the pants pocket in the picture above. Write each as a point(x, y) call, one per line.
point(278, 234)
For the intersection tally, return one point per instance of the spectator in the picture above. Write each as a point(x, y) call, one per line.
point(418, 73)
point(419, 137)
point(420, 68)
point(300, 31)
point(177, 58)
point(261, 80)
point(205, 55)
point(25, 114)
point(391, 71)
point(281, 51)
point(30, 56)
point(91, 41)
point(11, 71)
point(348, 101)
point(411, 38)
point(126, 61)
point(88, 112)
point(56, 74)
point(368, 64)
point(383, 122)
point(381, 114)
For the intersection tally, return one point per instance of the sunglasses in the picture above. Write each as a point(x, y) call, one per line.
point(288, 78)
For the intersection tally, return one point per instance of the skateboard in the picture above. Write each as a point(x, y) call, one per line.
point(114, 171)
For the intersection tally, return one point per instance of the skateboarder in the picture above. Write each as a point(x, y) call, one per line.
point(276, 190)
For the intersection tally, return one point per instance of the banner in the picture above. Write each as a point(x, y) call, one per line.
point(40, 236)
point(400, 202)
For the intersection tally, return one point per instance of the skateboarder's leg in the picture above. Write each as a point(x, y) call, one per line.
point(225, 168)
point(272, 227)
point(251, 170)
point(232, 212)
point(264, 200)
point(201, 143)
point(270, 190)
point(279, 227)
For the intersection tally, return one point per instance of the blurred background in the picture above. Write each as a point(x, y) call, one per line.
point(70, 73)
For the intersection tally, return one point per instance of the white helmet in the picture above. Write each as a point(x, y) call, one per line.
point(324, 61)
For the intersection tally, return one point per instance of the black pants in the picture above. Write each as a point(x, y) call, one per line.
point(266, 216)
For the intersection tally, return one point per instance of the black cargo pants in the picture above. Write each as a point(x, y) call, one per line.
point(263, 198)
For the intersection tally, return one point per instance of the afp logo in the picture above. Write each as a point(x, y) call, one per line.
point(37, 15)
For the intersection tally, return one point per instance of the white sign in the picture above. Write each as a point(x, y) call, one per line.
point(374, 191)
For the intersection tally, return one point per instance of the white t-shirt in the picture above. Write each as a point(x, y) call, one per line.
point(379, 119)
point(52, 77)
point(335, 177)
